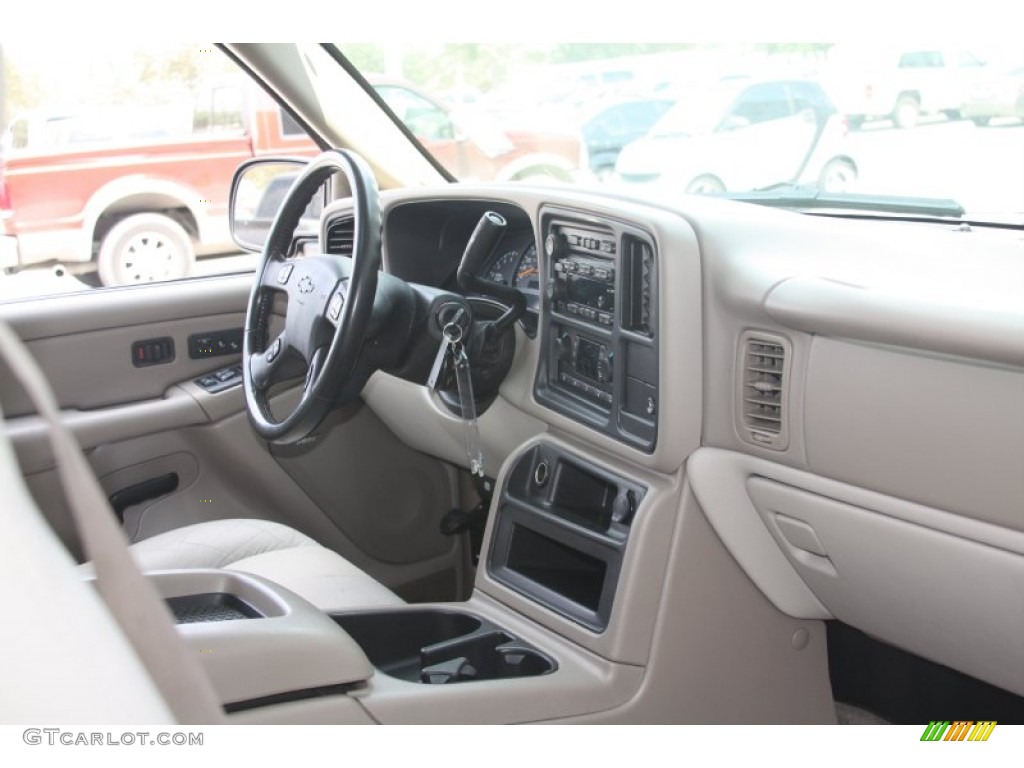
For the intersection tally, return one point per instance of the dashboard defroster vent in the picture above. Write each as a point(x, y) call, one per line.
point(341, 237)
point(764, 365)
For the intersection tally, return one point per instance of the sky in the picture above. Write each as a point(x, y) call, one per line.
point(465, 20)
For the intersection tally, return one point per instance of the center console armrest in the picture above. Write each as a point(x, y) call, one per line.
point(257, 639)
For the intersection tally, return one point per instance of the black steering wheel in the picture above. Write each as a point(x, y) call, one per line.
point(330, 299)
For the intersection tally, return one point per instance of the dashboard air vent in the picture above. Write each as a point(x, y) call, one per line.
point(762, 398)
point(642, 288)
point(340, 237)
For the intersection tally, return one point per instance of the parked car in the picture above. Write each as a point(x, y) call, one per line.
point(712, 462)
point(879, 83)
point(741, 134)
point(137, 204)
point(1000, 94)
point(615, 126)
point(143, 202)
point(43, 132)
point(472, 145)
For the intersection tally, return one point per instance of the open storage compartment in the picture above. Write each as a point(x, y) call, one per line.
point(561, 532)
point(435, 646)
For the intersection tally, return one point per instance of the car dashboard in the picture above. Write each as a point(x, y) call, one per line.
point(723, 431)
point(840, 399)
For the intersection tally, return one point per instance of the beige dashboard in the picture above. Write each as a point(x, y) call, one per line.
point(839, 434)
point(902, 412)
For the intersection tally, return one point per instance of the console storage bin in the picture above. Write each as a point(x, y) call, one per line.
point(435, 646)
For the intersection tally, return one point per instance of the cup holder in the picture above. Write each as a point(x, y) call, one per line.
point(438, 647)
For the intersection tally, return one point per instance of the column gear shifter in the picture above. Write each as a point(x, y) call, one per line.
point(478, 359)
point(489, 339)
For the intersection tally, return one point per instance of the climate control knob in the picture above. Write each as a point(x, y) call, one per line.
point(563, 348)
point(605, 366)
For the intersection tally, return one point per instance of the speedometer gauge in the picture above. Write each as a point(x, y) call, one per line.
point(527, 276)
point(503, 270)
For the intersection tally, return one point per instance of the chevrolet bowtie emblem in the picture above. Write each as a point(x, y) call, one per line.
point(306, 285)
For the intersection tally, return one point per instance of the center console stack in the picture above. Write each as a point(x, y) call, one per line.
point(599, 346)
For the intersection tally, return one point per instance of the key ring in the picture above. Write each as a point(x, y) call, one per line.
point(452, 332)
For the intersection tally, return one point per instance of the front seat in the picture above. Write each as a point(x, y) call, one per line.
point(271, 550)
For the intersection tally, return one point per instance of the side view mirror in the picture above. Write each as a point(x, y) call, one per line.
point(258, 189)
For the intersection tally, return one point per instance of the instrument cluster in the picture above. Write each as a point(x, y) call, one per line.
point(516, 264)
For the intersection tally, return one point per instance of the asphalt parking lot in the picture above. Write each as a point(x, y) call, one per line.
point(980, 168)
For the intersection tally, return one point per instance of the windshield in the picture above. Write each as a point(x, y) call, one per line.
point(694, 112)
point(910, 120)
point(123, 130)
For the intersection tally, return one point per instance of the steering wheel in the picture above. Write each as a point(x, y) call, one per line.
point(330, 299)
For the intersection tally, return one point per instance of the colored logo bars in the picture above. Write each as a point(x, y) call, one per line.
point(960, 730)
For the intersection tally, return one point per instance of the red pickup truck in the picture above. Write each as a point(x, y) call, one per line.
point(134, 206)
point(139, 200)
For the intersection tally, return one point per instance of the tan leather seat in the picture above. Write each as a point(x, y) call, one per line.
point(271, 550)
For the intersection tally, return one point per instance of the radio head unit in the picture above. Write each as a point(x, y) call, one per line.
point(599, 358)
point(586, 290)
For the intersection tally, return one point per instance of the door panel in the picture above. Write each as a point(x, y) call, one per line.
point(83, 342)
point(356, 488)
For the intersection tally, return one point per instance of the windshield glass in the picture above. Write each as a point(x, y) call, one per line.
point(694, 112)
point(116, 160)
point(662, 120)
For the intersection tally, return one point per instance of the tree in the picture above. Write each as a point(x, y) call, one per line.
point(172, 72)
point(20, 91)
point(568, 53)
point(467, 65)
point(367, 57)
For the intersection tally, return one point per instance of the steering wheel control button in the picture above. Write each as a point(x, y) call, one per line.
point(285, 273)
point(274, 351)
point(334, 309)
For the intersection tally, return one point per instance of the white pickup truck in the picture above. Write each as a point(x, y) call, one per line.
point(899, 85)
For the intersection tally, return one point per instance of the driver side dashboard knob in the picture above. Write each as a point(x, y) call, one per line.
point(554, 245)
point(563, 348)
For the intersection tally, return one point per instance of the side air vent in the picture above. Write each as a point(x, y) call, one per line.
point(340, 237)
point(764, 377)
point(642, 286)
